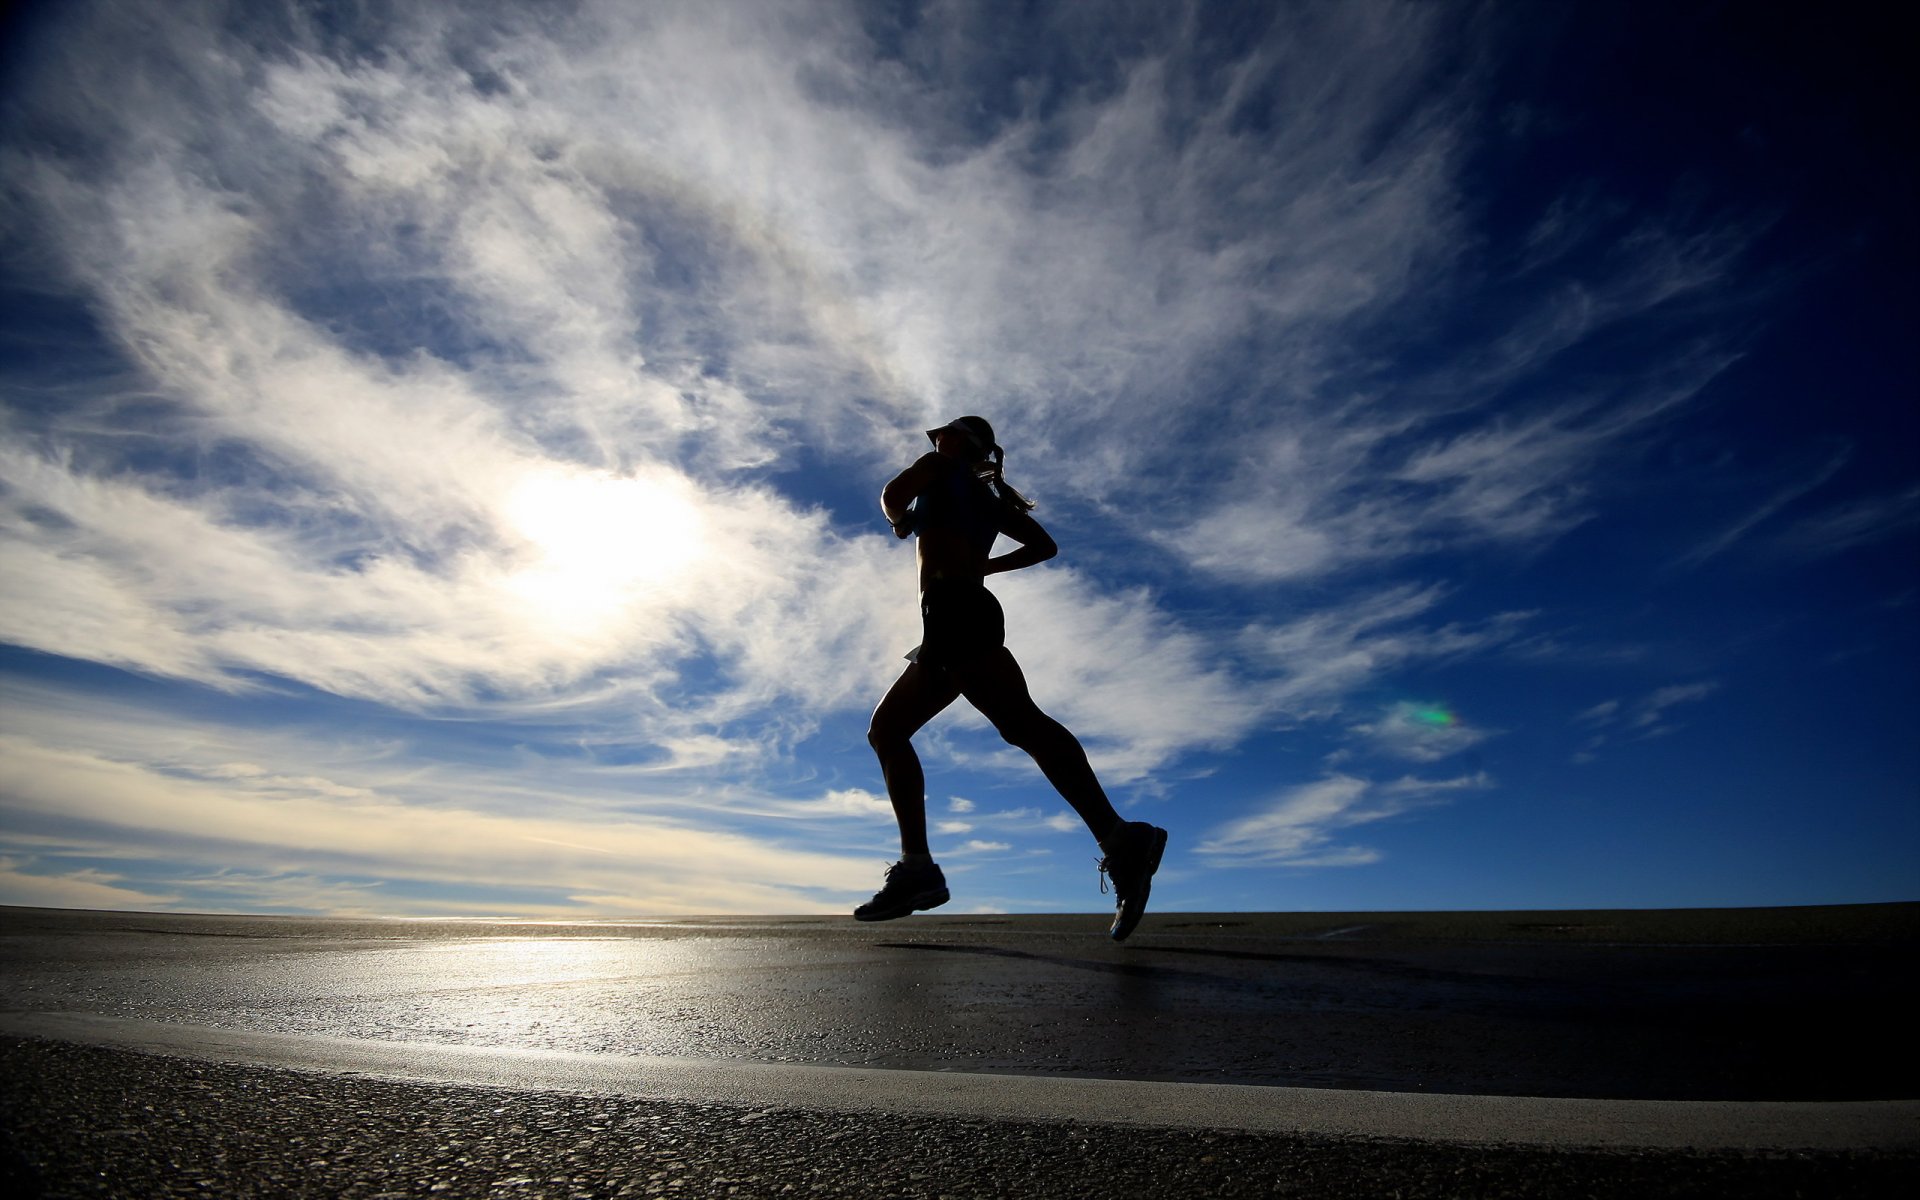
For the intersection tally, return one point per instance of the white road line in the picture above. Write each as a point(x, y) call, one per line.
point(1473, 1120)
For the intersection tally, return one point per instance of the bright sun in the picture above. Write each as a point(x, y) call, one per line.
point(601, 541)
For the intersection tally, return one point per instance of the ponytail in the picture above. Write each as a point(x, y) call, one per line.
point(990, 467)
point(992, 471)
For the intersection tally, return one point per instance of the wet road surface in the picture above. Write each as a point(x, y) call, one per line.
point(1787, 1005)
point(1775, 1006)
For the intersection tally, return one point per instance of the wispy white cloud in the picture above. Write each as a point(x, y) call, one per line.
point(84, 888)
point(982, 846)
point(1767, 509)
point(89, 781)
point(1420, 732)
point(1408, 785)
point(1137, 686)
point(843, 802)
point(1349, 483)
point(1600, 714)
point(1639, 720)
point(667, 864)
point(1852, 523)
point(1650, 712)
point(1317, 659)
point(1299, 827)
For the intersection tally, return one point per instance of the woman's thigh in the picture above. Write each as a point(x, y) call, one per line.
point(996, 686)
point(918, 696)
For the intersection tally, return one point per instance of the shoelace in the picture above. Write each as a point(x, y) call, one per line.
point(893, 869)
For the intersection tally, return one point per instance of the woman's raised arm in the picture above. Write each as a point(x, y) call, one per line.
point(1036, 544)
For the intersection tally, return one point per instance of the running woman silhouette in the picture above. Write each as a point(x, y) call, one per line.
point(955, 501)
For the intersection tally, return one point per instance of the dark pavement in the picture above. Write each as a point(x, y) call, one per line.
point(82, 1121)
point(1779, 1005)
point(1802, 1005)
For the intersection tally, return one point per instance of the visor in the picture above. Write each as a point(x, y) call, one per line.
point(964, 430)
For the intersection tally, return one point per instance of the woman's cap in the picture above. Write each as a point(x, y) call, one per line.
point(976, 428)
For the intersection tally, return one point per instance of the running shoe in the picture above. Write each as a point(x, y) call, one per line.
point(1132, 856)
point(908, 889)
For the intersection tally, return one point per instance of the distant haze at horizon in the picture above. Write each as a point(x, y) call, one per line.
point(441, 450)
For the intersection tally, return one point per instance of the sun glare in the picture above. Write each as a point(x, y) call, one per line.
point(601, 542)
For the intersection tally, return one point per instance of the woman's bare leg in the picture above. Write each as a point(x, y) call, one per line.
point(996, 686)
point(914, 699)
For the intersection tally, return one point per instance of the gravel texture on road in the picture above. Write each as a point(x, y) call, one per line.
point(87, 1121)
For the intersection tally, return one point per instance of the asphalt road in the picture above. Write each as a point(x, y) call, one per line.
point(1747, 1053)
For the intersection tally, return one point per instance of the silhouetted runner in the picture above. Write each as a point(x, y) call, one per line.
point(956, 502)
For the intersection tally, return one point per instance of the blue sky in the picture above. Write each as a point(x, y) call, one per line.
point(440, 450)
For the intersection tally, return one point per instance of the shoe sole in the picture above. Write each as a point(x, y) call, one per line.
point(1119, 934)
point(920, 903)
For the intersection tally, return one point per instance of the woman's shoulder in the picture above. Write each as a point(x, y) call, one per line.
point(935, 465)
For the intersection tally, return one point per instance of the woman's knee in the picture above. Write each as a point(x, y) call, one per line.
point(1032, 731)
point(887, 739)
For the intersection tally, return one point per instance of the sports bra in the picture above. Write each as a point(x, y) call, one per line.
point(960, 502)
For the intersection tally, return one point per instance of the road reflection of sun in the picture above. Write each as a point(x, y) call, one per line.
point(512, 991)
